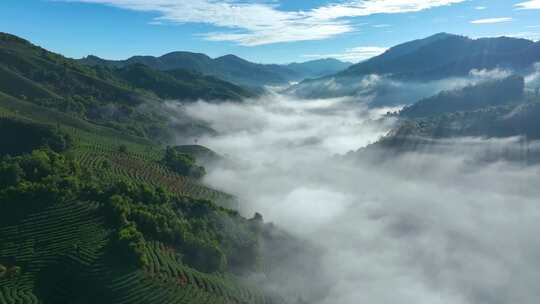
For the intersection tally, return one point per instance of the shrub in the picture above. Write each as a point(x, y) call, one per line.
point(183, 164)
point(122, 149)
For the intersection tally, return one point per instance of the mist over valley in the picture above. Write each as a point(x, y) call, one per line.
point(269, 152)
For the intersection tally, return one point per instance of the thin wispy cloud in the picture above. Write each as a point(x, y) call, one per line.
point(534, 4)
point(480, 8)
point(252, 23)
point(381, 25)
point(353, 54)
point(492, 20)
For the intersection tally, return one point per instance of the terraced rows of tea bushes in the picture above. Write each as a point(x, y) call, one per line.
point(92, 147)
point(61, 254)
point(13, 295)
point(42, 245)
point(166, 266)
point(166, 280)
point(144, 168)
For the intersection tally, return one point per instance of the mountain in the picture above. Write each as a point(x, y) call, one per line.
point(107, 95)
point(319, 68)
point(474, 97)
point(230, 68)
point(499, 109)
point(445, 55)
point(421, 68)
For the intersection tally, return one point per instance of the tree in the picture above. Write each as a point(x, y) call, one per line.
point(122, 149)
point(3, 271)
point(10, 174)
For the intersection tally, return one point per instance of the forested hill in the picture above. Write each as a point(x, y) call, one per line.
point(497, 109)
point(49, 75)
point(105, 95)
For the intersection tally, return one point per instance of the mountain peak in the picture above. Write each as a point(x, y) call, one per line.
point(184, 54)
point(93, 57)
point(442, 35)
point(231, 57)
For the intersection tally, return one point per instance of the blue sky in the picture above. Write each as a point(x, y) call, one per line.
point(268, 31)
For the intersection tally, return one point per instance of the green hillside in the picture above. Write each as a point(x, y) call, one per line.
point(98, 211)
point(106, 221)
point(180, 84)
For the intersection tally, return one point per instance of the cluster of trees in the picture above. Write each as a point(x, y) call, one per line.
point(182, 163)
point(34, 135)
point(208, 238)
point(33, 181)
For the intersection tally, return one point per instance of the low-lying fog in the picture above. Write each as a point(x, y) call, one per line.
point(419, 228)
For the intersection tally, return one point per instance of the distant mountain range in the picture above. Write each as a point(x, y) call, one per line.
point(430, 60)
point(446, 55)
point(230, 68)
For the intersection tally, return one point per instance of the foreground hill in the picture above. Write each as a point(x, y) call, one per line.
point(91, 214)
point(230, 68)
point(94, 209)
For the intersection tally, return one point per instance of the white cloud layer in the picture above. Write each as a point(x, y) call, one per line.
point(492, 20)
point(353, 54)
point(534, 4)
point(434, 226)
point(252, 23)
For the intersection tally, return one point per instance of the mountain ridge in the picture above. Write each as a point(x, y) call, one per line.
point(447, 55)
point(230, 67)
